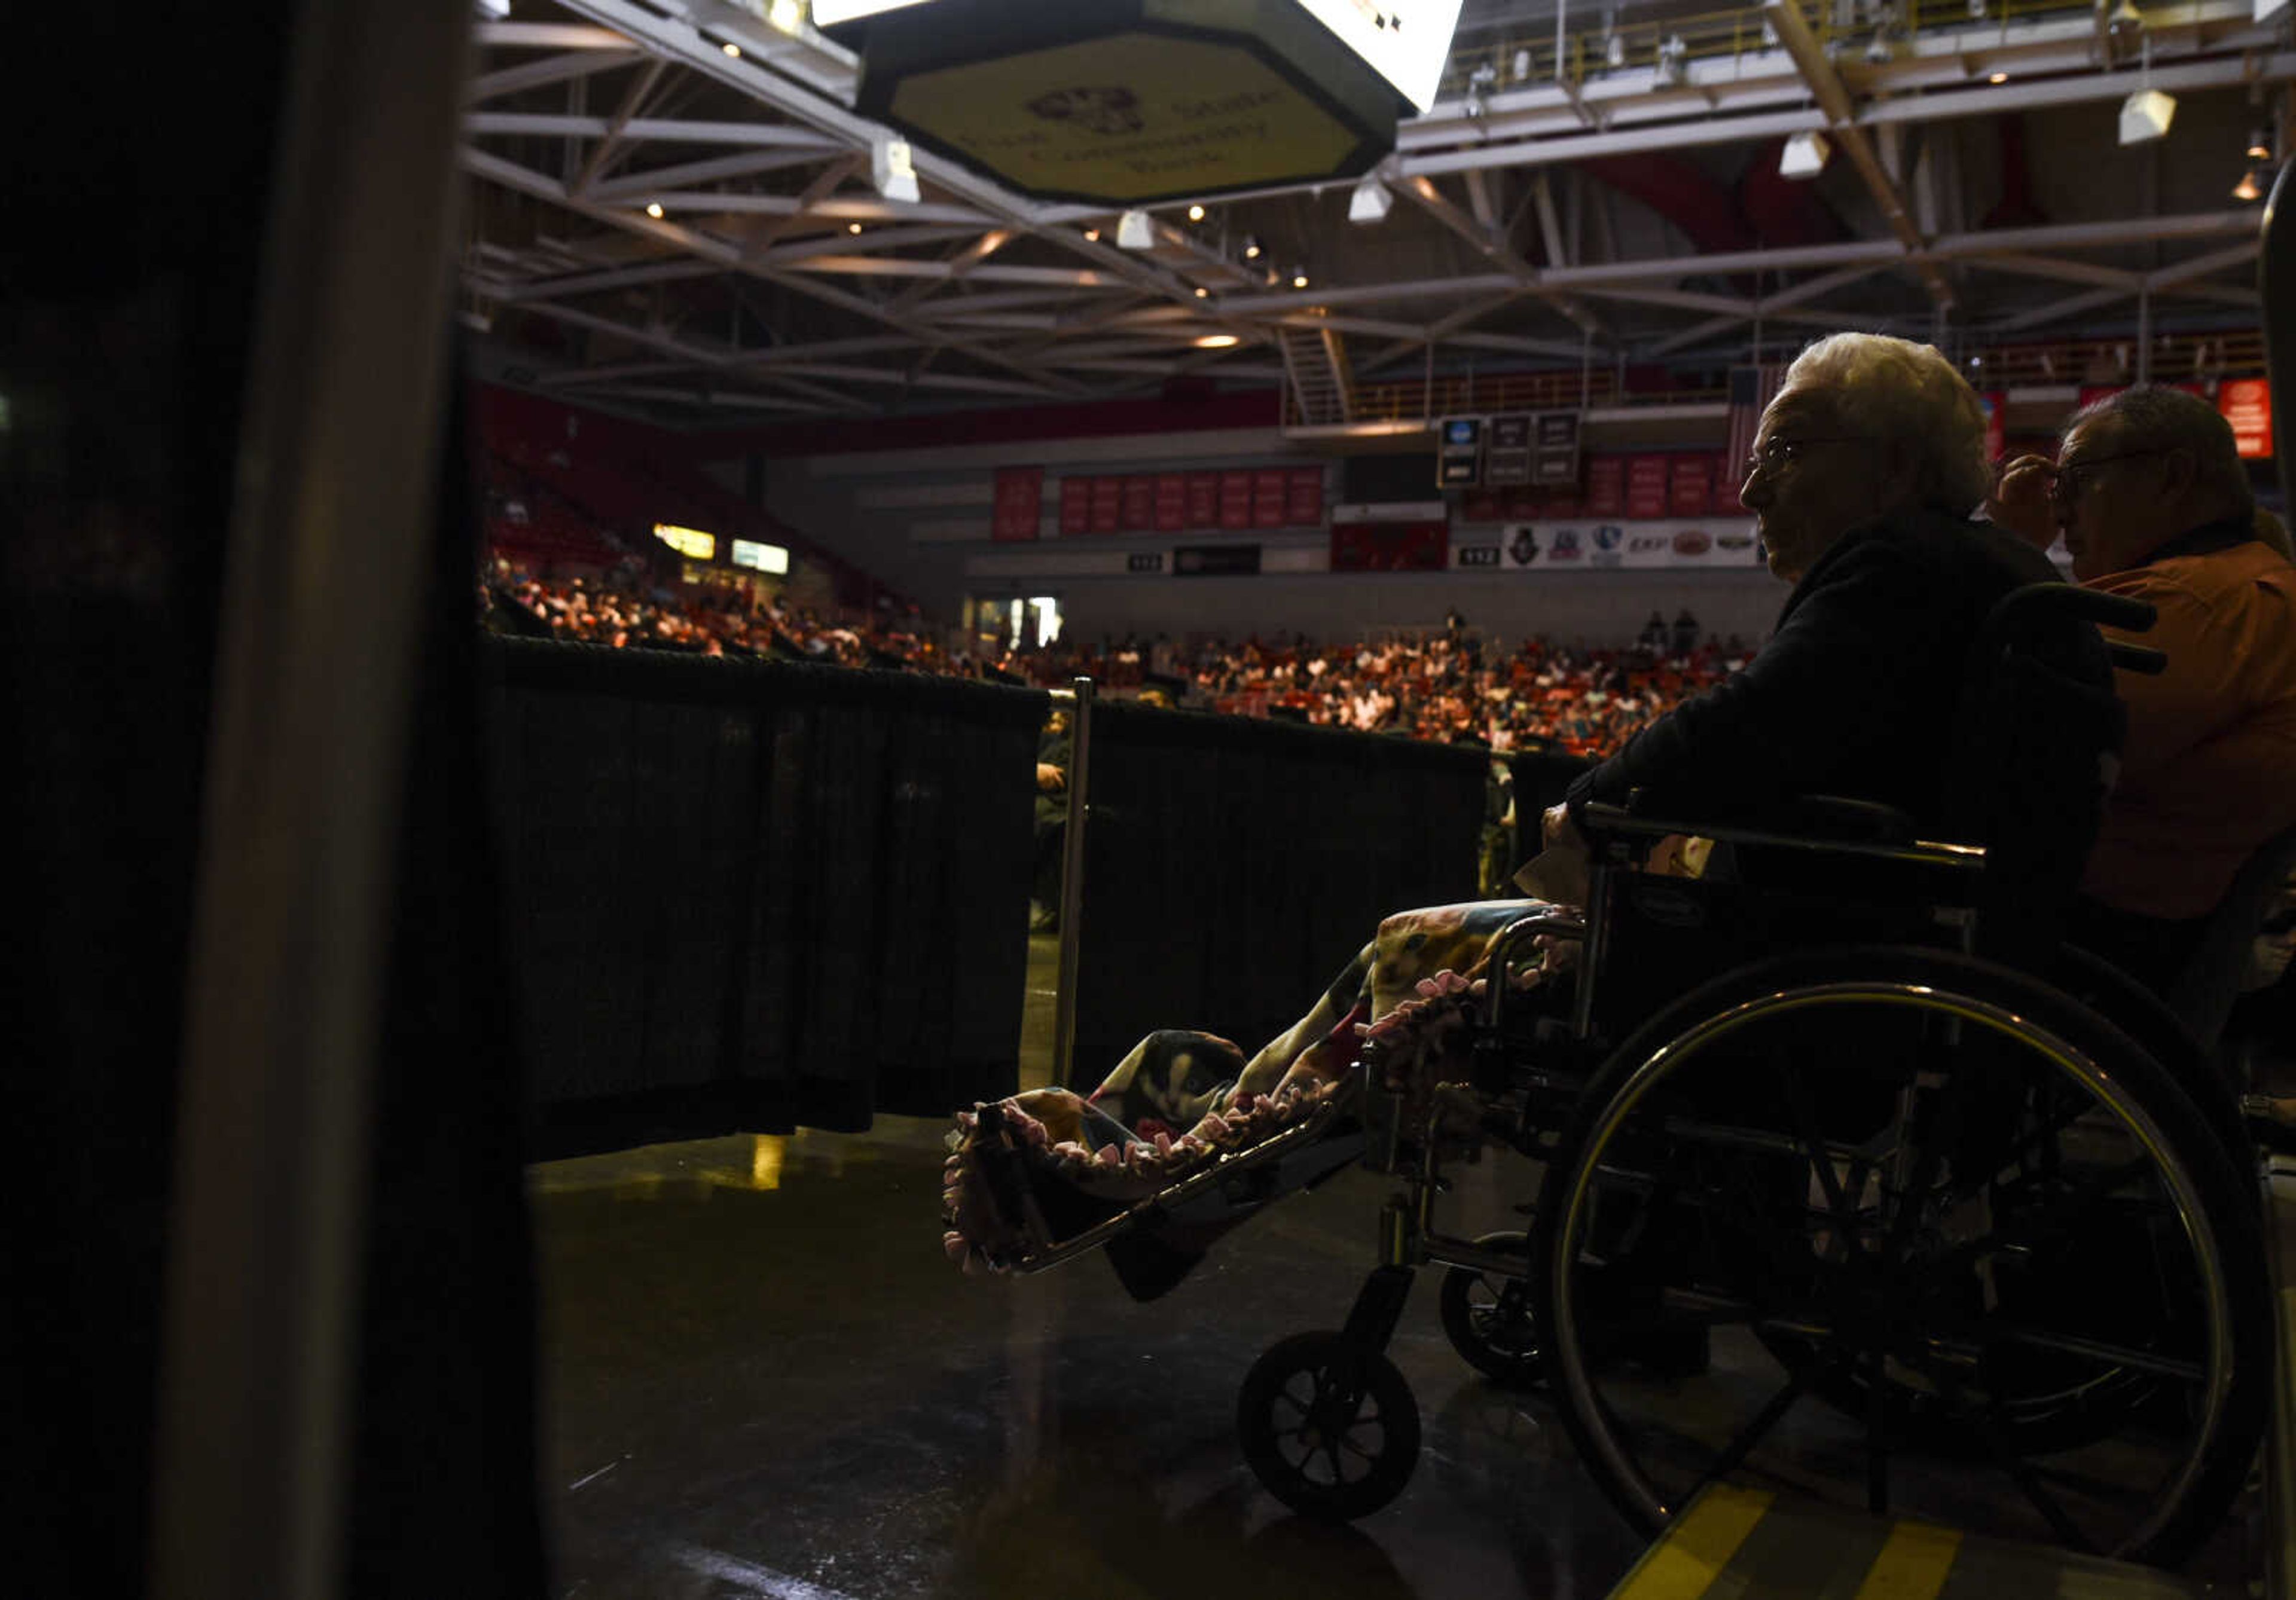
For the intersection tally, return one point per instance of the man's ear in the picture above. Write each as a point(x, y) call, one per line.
point(2179, 472)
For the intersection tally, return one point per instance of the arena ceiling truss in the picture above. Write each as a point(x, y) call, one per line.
point(672, 210)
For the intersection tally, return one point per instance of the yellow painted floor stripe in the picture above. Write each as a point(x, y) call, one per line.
point(1913, 1564)
point(1691, 1553)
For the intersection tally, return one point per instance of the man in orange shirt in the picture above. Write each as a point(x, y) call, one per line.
point(2154, 504)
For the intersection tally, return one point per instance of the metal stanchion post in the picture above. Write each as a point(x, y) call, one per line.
point(1064, 1004)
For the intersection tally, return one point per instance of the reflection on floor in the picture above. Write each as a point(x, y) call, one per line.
point(762, 1378)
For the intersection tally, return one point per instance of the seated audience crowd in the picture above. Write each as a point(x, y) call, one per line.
point(1446, 688)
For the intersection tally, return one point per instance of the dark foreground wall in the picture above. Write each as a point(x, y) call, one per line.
point(1233, 868)
point(752, 896)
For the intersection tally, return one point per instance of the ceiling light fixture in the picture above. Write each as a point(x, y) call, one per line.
point(1299, 277)
point(2123, 21)
point(893, 169)
point(653, 209)
point(2248, 188)
point(1805, 155)
point(1092, 236)
point(2146, 116)
point(1134, 231)
point(2259, 144)
point(1370, 202)
point(1251, 247)
point(1671, 55)
point(1217, 341)
point(1202, 292)
point(852, 227)
point(1997, 77)
point(731, 49)
point(1614, 51)
point(1195, 213)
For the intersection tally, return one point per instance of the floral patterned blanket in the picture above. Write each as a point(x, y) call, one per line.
point(1181, 1099)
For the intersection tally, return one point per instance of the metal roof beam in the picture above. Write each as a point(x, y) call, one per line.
point(524, 180)
point(549, 69)
point(1785, 19)
point(712, 169)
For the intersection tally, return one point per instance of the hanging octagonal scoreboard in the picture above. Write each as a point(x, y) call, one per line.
point(1132, 102)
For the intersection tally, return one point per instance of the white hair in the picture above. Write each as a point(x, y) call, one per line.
point(1896, 390)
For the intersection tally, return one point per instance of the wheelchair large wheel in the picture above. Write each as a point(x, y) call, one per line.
point(1947, 1197)
point(1331, 1429)
point(1486, 1316)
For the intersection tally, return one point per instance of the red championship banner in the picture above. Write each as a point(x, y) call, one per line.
point(1390, 546)
point(1689, 485)
point(1107, 504)
point(1271, 493)
point(2246, 403)
point(1171, 502)
point(1606, 488)
point(1303, 504)
point(1235, 500)
point(1646, 488)
point(1138, 511)
point(1204, 500)
point(1020, 503)
point(1076, 506)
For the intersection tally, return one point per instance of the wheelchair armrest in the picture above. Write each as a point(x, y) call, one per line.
point(2141, 659)
point(1842, 826)
point(2021, 608)
point(1820, 816)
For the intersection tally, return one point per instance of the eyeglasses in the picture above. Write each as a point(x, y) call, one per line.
point(1774, 456)
point(2072, 480)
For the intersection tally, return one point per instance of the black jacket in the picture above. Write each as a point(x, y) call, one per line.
point(1860, 690)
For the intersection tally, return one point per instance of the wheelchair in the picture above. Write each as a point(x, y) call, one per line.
point(1850, 1140)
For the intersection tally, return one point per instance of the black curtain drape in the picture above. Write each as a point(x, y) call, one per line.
point(752, 896)
point(1233, 868)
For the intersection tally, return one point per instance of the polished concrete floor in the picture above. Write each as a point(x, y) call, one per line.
point(763, 1378)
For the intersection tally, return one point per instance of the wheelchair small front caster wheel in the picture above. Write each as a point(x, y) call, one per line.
point(1486, 1316)
point(1330, 1428)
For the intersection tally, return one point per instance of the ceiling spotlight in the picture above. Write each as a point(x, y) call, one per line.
point(1299, 277)
point(1134, 231)
point(1202, 292)
point(852, 227)
point(1997, 78)
point(1671, 55)
point(2259, 144)
point(892, 168)
point(1370, 202)
point(733, 50)
point(1805, 155)
point(1217, 341)
point(1092, 236)
point(788, 15)
point(2123, 21)
point(653, 209)
point(2248, 188)
point(2145, 115)
point(1195, 213)
point(1251, 247)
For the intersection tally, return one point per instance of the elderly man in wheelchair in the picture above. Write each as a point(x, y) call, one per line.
point(1831, 1124)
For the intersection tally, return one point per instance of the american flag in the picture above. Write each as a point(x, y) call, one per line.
point(1751, 389)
